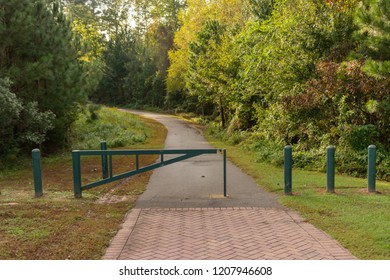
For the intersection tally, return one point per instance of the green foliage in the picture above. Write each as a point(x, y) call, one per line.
point(10, 109)
point(10, 105)
point(362, 136)
point(36, 124)
point(261, 9)
point(373, 19)
point(215, 58)
point(117, 56)
point(32, 124)
point(112, 126)
point(40, 56)
point(204, 75)
point(270, 72)
point(294, 81)
point(134, 61)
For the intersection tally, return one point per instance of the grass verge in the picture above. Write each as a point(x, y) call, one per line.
point(358, 220)
point(58, 226)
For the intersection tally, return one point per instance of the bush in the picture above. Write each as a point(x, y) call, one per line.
point(350, 159)
point(10, 109)
point(118, 129)
point(36, 125)
point(32, 124)
point(362, 136)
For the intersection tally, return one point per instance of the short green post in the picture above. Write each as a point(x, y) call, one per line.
point(37, 172)
point(330, 168)
point(371, 168)
point(76, 173)
point(103, 147)
point(224, 173)
point(288, 170)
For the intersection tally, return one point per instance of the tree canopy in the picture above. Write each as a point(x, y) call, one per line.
point(42, 75)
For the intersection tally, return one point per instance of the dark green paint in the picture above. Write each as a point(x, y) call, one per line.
point(371, 168)
point(103, 147)
point(37, 172)
point(330, 169)
point(288, 170)
point(182, 155)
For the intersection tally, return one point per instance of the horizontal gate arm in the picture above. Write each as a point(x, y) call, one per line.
point(98, 183)
point(190, 151)
point(193, 153)
point(147, 152)
point(177, 159)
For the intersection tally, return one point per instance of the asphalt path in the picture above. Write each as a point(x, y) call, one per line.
point(198, 182)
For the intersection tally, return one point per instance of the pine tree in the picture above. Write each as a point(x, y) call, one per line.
point(373, 18)
point(39, 54)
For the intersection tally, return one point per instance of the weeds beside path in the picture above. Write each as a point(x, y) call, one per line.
point(58, 226)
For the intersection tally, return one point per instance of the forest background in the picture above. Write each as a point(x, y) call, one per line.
point(261, 73)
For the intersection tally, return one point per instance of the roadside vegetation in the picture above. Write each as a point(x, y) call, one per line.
point(58, 226)
point(310, 73)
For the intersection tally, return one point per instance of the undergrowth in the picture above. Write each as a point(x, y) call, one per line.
point(107, 124)
point(348, 161)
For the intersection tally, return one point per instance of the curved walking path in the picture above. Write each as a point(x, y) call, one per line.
point(183, 214)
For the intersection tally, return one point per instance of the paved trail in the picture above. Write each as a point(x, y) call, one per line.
point(198, 182)
point(183, 214)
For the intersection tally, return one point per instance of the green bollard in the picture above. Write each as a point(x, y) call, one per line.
point(330, 169)
point(224, 173)
point(76, 173)
point(371, 173)
point(288, 170)
point(103, 147)
point(37, 172)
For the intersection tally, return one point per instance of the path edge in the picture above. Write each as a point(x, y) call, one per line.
point(119, 241)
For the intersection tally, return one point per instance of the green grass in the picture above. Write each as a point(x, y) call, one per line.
point(108, 124)
point(58, 226)
point(358, 220)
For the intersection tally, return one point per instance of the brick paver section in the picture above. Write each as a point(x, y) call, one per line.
point(221, 233)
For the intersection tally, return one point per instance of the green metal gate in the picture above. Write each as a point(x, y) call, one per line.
point(107, 165)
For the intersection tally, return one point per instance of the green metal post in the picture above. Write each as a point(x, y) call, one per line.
point(330, 168)
point(371, 168)
point(76, 173)
point(111, 170)
point(224, 173)
point(103, 147)
point(288, 170)
point(37, 171)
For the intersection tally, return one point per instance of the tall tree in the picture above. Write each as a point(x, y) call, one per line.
point(373, 19)
point(230, 13)
point(211, 68)
point(118, 56)
point(39, 56)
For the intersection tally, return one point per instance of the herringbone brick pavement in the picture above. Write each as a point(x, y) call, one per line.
point(221, 233)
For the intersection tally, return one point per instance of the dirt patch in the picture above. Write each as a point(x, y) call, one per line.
point(365, 191)
point(112, 199)
point(9, 204)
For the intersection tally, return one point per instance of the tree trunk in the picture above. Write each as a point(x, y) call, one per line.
point(222, 112)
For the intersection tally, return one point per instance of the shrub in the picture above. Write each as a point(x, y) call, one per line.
point(118, 129)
